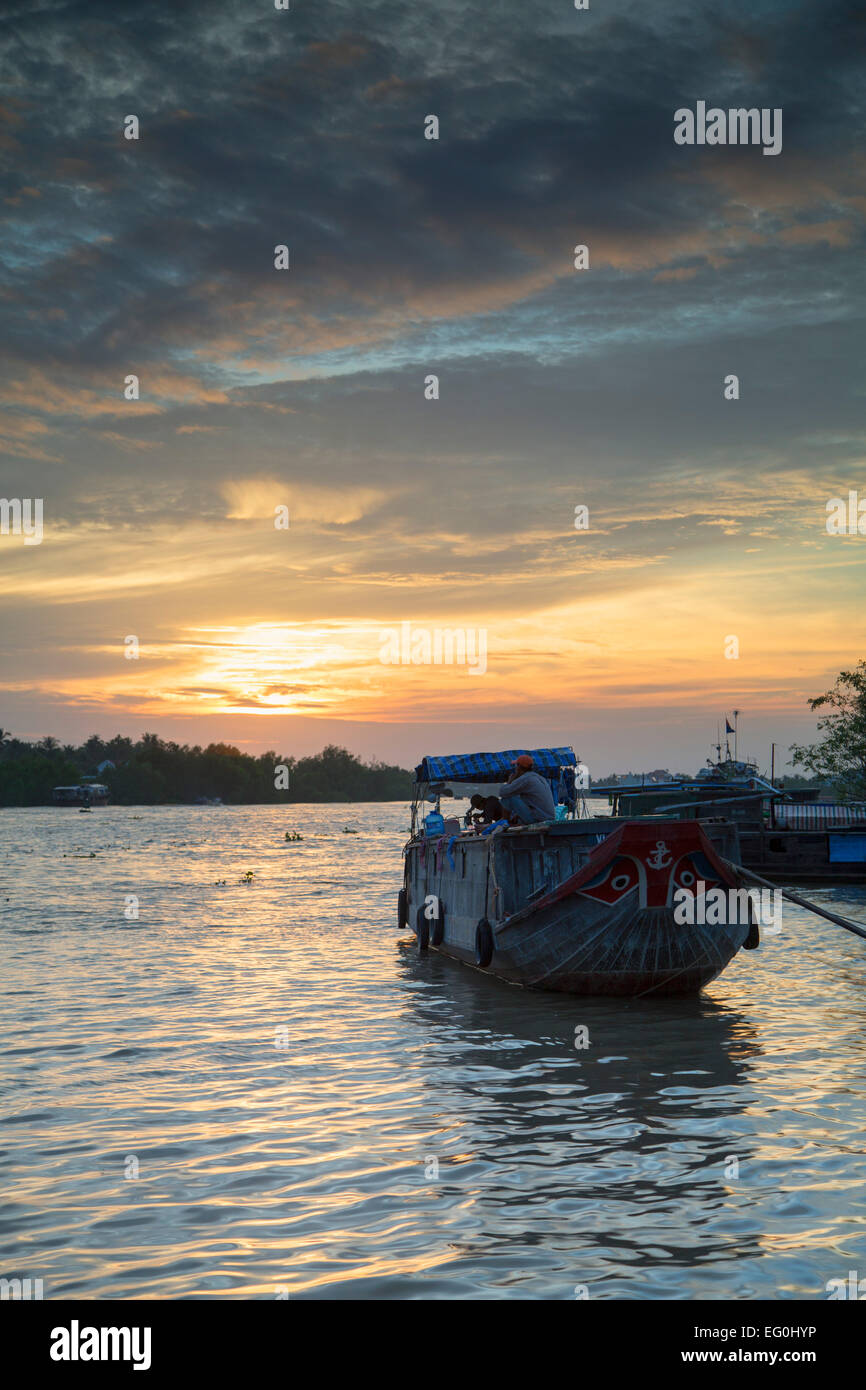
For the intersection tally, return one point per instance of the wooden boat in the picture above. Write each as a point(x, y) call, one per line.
point(582, 906)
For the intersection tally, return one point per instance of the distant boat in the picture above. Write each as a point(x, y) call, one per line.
point(85, 794)
point(786, 837)
point(580, 906)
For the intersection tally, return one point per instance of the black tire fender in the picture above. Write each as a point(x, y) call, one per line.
point(437, 926)
point(422, 929)
point(402, 910)
point(484, 943)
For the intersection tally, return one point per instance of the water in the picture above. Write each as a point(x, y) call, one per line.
point(417, 1129)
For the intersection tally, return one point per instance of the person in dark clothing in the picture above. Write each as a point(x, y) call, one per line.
point(484, 810)
point(526, 796)
point(493, 810)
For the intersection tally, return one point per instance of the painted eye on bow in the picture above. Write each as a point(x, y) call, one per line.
point(614, 882)
point(694, 868)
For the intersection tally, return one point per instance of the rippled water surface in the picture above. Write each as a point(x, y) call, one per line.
point(314, 1108)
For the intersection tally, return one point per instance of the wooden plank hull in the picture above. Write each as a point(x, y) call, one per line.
point(585, 908)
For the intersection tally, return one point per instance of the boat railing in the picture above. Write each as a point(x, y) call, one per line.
point(715, 802)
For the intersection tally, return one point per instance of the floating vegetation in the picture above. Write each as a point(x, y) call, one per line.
point(219, 883)
point(293, 835)
point(247, 877)
point(347, 831)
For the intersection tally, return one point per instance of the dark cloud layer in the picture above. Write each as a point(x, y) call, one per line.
point(260, 126)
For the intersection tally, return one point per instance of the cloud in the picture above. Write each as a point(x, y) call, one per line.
point(409, 258)
point(259, 497)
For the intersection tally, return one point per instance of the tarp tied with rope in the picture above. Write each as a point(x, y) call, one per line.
point(491, 767)
point(556, 765)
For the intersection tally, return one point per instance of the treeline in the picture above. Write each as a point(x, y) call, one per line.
point(154, 771)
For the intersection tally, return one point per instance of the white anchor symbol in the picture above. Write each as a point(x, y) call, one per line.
point(661, 858)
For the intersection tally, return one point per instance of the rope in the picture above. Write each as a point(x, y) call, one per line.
point(491, 873)
point(859, 929)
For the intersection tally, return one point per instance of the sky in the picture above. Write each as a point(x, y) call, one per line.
point(303, 394)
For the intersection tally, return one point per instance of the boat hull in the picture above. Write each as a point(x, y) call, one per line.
point(585, 908)
point(784, 842)
point(806, 856)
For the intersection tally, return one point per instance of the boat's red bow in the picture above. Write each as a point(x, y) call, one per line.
point(655, 859)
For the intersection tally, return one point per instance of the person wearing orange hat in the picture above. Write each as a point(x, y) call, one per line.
point(527, 796)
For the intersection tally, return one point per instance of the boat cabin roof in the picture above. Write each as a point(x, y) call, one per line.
point(491, 768)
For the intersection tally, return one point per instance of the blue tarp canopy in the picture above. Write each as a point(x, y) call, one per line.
point(492, 767)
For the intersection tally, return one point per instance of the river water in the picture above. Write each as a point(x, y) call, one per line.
point(260, 1090)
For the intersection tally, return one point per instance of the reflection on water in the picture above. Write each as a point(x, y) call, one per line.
point(258, 1088)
